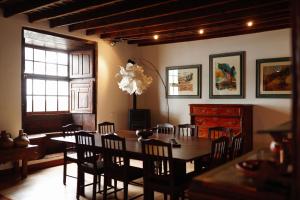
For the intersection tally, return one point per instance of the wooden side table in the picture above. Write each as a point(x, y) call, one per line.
point(15, 154)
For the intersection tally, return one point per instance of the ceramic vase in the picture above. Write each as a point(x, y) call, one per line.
point(5, 140)
point(22, 140)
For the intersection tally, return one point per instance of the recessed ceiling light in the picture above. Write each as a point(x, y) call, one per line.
point(201, 31)
point(155, 37)
point(250, 23)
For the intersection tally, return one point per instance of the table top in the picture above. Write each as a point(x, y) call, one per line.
point(191, 147)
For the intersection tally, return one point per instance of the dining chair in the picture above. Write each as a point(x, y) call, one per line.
point(219, 131)
point(88, 161)
point(187, 130)
point(236, 149)
point(159, 174)
point(219, 151)
point(69, 151)
point(106, 127)
point(116, 164)
point(165, 128)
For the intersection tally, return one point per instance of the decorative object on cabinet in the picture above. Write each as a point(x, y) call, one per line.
point(273, 78)
point(238, 117)
point(6, 141)
point(226, 72)
point(22, 140)
point(183, 81)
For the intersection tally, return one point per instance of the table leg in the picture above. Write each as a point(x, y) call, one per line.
point(80, 182)
point(24, 168)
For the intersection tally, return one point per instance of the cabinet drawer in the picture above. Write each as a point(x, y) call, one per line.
point(217, 121)
point(225, 111)
point(203, 131)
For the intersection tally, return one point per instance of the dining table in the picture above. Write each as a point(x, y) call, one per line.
point(191, 149)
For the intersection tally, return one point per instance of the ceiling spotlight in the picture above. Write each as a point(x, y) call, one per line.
point(155, 37)
point(201, 31)
point(250, 23)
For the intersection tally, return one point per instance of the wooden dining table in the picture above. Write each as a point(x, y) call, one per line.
point(191, 149)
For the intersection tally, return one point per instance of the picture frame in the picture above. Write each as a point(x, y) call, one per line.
point(226, 75)
point(274, 78)
point(183, 81)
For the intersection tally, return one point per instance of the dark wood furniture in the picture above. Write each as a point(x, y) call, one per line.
point(15, 154)
point(116, 164)
point(70, 154)
point(219, 131)
point(187, 130)
point(159, 171)
point(106, 127)
point(139, 119)
point(236, 148)
point(238, 117)
point(88, 161)
point(219, 151)
point(165, 128)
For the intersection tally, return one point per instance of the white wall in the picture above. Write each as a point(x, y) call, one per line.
point(112, 103)
point(267, 112)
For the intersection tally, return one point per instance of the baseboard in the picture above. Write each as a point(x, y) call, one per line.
point(44, 165)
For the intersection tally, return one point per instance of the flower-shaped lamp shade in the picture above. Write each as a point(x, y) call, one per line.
point(133, 80)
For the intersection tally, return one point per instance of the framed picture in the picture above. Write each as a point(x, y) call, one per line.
point(226, 75)
point(273, 78)
point(183, 81)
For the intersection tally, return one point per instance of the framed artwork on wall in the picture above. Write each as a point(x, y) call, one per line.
point(226, 75)
point(273, 78)
point(183, 81)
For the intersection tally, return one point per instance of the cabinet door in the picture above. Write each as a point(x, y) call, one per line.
point(81, 96)
point(81, 64)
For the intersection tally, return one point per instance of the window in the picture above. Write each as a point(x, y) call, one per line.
point(46, 80)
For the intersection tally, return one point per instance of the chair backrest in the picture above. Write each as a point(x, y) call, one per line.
point(165, 128)
point(219, 151)
point(236, 149)
point(70, 129)
point(158, 161)
point(85, 147)
point(114, 153)
point(106, 127)
point(216, 132)
point(187, 130)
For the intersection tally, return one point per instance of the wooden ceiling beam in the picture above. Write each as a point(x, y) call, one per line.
point(224, 10)
point(70, 8)
point(117, 9)
point(173, 9)
point(225, 33)
point(197, 24)
point(25, 6)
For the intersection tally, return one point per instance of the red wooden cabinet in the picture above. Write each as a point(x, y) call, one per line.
point(235, 116)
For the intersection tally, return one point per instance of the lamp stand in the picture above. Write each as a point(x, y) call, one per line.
point(134, 101)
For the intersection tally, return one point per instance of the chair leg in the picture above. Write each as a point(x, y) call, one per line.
point(99, 186)
point(105, 188)
point(115, 187)
point(165, 196)
point(94, 186)
point(125, 190)
point(78, 183)
point(64, 172)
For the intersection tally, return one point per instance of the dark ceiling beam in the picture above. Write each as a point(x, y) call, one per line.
point(25, 6)
point(197, 24)
point(70, 8)
point(224, 10)
point(223, 34)
point(117, 9)
point(174, 8)
point(220, 28)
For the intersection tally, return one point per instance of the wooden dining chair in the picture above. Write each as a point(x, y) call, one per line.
point(236, 149)
point(219, 151)
point(159, 172)
point(106, 127)
point(187, 130)
point(70, 154)
point(88, 161)
point(165, 128)
point(116, 164)
point(219, 131)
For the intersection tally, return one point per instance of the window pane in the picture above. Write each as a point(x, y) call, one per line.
point(51, 103)
point(51, 69)
point(62, 58)
point(51, 57)
point(29, 103)
point(28, 67)
point(39, 55)
point(28, 53)
point(51, 87)
point(28, 86)
point(62, 70)
point(63, 104)
point(38, 103)
point(38, 87)
point(39, 68)
point(63, 88)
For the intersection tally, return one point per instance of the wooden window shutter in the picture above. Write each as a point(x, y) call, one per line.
point(81, 64)
point(81, 96)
